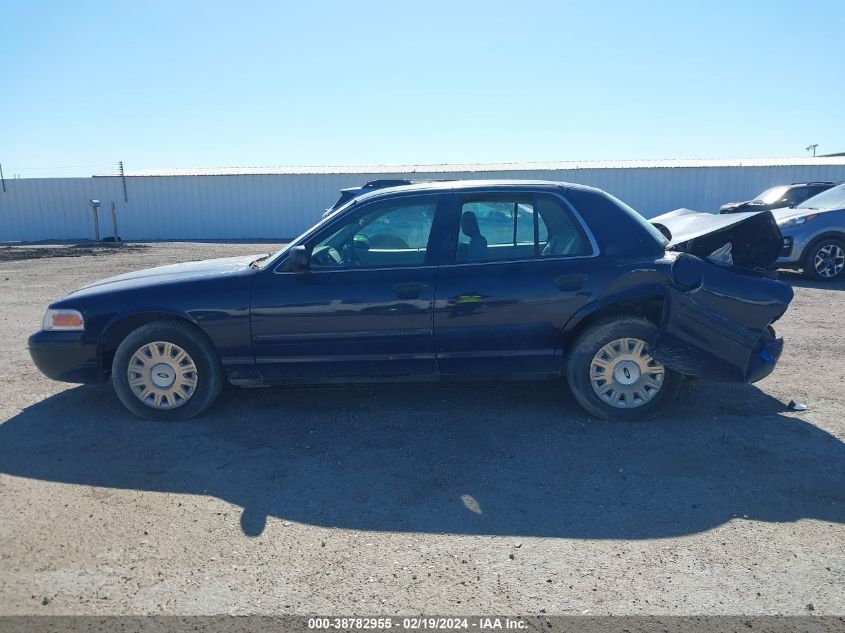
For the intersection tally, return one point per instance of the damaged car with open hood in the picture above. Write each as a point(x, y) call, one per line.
point(442, 281)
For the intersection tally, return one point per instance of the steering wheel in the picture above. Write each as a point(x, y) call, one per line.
point(350, 257)
point(326, 256)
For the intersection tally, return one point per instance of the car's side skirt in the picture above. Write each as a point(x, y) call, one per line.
point(409, 378)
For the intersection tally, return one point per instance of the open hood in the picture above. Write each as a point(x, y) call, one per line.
point(752, 240)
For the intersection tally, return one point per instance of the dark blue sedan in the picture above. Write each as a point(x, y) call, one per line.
point(441, 281)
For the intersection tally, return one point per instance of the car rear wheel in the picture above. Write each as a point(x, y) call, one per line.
point(612, 374)
point(166, 370)
point(825, 260)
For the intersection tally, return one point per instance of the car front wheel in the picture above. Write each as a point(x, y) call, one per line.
point(612, 374)
point(166, 370)
point(825, 260)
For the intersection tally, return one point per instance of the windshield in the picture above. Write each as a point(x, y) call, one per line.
point(830, 199)
point(648, 226)
point(771, 195)
point(272, 258)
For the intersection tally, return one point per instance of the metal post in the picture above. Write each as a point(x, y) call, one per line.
point(114, 222)
point(94, 205)
point(1, 178)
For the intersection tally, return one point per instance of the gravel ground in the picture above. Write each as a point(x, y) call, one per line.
point(406, 499)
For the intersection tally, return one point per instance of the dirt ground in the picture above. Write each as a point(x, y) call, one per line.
point(417, 499)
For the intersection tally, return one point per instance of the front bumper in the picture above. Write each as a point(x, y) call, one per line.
point(788, 247)
point(795, 241)
point(65, 356)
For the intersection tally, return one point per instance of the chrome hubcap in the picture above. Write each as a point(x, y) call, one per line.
point(162, 375)
point(624, 375)
point(830, 260)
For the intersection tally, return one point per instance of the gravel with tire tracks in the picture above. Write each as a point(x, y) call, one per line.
point(502, 498)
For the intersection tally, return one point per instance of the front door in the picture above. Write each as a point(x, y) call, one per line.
point(364, 308)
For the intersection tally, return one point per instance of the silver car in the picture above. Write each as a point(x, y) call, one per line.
point(814, 235)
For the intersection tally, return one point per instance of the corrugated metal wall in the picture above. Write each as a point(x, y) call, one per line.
point(283, 205)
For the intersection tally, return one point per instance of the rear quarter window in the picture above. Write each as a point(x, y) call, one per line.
point(619, 230)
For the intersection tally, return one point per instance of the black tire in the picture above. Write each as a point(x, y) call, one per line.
point(809, 263)
point(209, 372)
point(580, 359)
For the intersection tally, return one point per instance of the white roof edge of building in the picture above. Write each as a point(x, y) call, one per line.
point(489, 167)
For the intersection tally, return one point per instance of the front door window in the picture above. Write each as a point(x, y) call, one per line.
point(386, 234)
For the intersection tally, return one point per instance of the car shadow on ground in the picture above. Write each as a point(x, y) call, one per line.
point(503, 459)
point(798, 280)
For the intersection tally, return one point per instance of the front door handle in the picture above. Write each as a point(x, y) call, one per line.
point(409, 291)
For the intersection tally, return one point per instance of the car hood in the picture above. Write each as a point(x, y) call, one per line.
point(172, 273)
point(754, 236)
point(794, 212)
point(785, 213)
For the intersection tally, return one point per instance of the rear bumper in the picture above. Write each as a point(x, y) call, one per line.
point(65, 356)
point(710, 352)
point(717, 325)
point(764, 357)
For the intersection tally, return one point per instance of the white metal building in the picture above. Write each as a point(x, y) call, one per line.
point(234, 203)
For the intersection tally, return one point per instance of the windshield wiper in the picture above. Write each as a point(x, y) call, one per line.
point(254, 263)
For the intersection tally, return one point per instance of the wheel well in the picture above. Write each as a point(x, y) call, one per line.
point(650, 308)
point(120, 330)
point(827, 236)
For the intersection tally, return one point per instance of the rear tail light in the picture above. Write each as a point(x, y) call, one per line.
point(63, 320)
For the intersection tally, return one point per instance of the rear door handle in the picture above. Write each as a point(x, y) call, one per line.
point(409, 291)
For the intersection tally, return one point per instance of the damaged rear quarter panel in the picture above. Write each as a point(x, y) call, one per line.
point(715, 321)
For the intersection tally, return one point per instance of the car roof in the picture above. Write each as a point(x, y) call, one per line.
point(458, 185)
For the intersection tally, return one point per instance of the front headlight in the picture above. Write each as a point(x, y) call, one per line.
point(796, 221)
point(62, 321)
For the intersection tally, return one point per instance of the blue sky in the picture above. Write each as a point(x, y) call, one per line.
point(188, 84)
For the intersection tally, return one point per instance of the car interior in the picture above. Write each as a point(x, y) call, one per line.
point(505, 230)
point(490, 230)
point(394, 234)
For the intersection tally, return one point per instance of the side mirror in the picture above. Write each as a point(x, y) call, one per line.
point(299, 259)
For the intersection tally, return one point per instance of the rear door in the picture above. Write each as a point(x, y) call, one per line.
point(516, 265)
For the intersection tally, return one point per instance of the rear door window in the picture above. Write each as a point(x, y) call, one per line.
point(496, 228)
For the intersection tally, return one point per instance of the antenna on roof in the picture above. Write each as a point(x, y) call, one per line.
point(812, 148)
point(123, 178)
